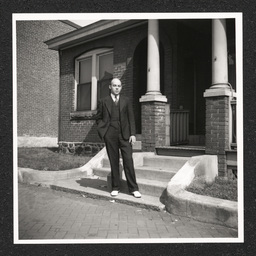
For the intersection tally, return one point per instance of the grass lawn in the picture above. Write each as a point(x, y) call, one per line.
point(221, 188)
point(49, 159)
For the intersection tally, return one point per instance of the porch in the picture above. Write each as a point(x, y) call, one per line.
point(164, 129)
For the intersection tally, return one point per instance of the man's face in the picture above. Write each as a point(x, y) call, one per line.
point(115, 87)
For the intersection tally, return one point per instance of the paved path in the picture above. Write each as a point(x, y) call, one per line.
point(49, 214)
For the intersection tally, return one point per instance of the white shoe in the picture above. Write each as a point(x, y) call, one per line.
point(136, 194)
point(114, 193)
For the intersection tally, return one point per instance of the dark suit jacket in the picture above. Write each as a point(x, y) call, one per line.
point(127, 122)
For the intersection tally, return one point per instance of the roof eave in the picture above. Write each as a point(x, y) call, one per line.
point(92, 32)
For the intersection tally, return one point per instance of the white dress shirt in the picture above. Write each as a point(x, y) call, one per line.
point(115, 98)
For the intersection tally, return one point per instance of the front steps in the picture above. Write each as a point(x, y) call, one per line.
point(185, 150)
point(153, 173)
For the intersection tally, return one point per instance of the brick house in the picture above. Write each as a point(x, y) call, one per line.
point(180, 75)
point(38, 81)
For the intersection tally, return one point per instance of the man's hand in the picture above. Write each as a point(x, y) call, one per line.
point(132, 139)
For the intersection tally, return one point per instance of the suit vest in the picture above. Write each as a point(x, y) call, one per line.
point(115, 115)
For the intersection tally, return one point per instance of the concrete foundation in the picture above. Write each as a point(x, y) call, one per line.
point(37, 142)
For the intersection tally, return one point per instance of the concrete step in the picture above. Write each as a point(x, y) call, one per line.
point(152, 187)
point(184, 151)
point(97, 188)
point(137, 146)
point(105, 163)
point(165, 162)
point(143, 172)
point(161, 162)
point(150, 173)
point(152, 177)
point(146, 187)
point(102, 172)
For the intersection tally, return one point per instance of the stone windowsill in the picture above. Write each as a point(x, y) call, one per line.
point(83, 115)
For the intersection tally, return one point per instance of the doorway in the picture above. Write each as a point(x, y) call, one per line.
point(140, 78)
point(194, 74)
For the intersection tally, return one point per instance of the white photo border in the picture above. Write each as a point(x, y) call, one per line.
point(238, 16)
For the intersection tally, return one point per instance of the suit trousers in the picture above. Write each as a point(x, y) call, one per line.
point(114, 141)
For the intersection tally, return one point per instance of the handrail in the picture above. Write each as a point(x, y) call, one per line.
point(179, 126)
point(233, 112)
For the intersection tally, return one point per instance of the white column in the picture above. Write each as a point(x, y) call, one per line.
point(153, 71)
point(94, 83)
point(219, 54)
point(153, 66)
point(220, 85)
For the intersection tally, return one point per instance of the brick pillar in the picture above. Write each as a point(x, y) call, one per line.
point(218, 107)
point(218, 126)
point(153, 103)
point(153, 125)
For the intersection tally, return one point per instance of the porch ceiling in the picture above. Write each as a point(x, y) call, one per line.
point(203, 26)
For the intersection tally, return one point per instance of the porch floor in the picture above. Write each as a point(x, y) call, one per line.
point(181, 150)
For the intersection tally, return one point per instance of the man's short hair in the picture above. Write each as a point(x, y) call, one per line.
point(116, 79)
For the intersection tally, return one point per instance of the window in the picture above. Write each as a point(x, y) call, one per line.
point(94, 71)
point(84, 86)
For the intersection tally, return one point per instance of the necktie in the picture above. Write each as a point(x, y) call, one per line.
point(116, 99)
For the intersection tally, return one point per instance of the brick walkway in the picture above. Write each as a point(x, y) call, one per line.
point(50, 214)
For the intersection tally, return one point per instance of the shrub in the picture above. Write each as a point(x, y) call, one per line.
point(221, 188)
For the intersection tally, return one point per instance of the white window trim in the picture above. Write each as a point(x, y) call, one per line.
point(95, 74)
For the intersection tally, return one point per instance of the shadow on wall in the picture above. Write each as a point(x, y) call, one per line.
point(92, 135)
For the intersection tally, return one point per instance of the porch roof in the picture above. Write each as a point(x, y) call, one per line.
point(91, 32)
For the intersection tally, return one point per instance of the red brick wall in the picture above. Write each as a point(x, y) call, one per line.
point(38, 78)
point(217, 130)
point(153, 125)
point(123, 45)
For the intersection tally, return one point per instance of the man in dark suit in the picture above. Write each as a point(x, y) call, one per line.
point(116, 126)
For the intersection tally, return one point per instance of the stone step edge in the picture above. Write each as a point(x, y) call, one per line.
point(155, 169)
point(157, 157)
point(142, 168)
point(147, 182)
point(143, 182)
point(189, 148)
point(151, 183)
point(119, 199)
point(203, 208)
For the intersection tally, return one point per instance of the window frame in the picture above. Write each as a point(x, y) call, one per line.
point(94, 54)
